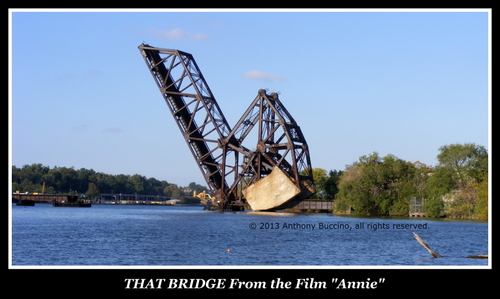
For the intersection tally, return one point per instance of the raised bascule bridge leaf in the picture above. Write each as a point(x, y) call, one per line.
point(276, 171)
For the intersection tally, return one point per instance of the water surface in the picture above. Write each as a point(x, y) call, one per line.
point(142, 235)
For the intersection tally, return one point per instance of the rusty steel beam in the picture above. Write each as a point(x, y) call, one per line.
point(199, 118)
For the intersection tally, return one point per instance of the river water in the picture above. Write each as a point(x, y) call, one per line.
point(146, 235)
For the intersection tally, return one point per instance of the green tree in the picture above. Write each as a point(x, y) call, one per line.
point(68, 182)
point(122, 184)
point(34, 172)
point(468, 161)
point(440, 182)
point(326, 183)
point(92, 191)
point(351, 195)
point(377, 186)
point(137, 182)
point(433, 207)
point(461, 179)
point(319, 177)
point(173, 191)
point(331, 183)
point(481, 208)
point(31, 178)
point(83, 175)
point(154, 186)
point(422, 174)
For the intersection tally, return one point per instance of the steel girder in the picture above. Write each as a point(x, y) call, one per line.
point(280, 143)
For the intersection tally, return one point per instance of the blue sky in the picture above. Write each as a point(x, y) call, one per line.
point(395, 82)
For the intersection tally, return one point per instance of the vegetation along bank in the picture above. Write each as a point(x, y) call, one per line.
point(457, 187)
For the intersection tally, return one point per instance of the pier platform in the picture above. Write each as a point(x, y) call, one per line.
point(57, 200)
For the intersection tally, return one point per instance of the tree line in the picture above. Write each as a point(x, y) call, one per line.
point(67, 180)
point(456, 187)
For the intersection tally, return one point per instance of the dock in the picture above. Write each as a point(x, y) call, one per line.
point(121, 198)
point(57, 200)
point(417, 207)
point(318, 205)
point(308, 205)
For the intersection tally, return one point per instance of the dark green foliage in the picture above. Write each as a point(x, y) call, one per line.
point(326, 185)
point(433, 207)
point(457, 187)
point(331, 184)
point(63, 180)
point(377, 186)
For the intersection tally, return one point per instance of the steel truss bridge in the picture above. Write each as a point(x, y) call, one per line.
point(278, 167)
